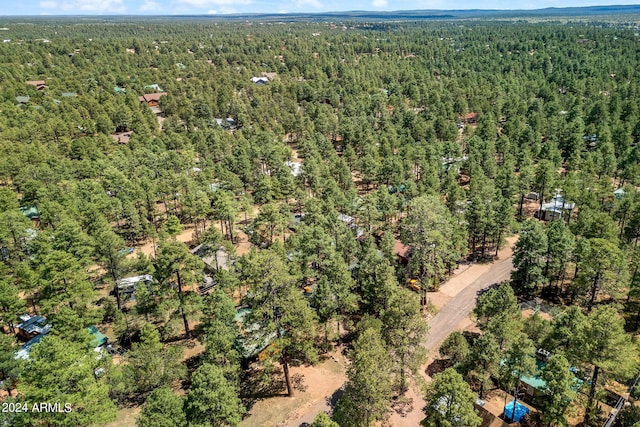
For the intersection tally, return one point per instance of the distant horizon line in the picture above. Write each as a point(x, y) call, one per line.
point(337, 12)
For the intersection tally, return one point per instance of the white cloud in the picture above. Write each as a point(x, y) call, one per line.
point(209, 3)
point(212, 12)
point(379, 3)
point(311, 3)
point(150, 6)
point(104, 6)
point(48, 4)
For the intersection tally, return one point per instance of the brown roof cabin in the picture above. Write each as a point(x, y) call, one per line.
point(39, 84)
point(152, 98)
point(470, 118)
point(401, 251)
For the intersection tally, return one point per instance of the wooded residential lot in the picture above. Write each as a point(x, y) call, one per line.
point(226, 223)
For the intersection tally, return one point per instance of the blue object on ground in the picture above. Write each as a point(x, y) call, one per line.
point(520, 412)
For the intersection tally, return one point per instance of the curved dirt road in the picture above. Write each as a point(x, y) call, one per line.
point(461, 305)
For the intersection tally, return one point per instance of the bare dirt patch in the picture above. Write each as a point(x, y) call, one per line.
point(320, 383)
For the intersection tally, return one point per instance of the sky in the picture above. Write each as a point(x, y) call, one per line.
point(215, 7)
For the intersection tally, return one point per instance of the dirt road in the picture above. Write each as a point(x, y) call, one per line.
point(461, 305)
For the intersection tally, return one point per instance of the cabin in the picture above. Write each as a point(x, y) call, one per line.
point(260, 81)
point(129, 285)
point(469, 118)
point(254, 340)
point(296, 167)
point(99, 339)
point(401, 251)
point(32, 326)
point(32, 213)
point(555, 208)
point(619, 193)
point(152, 99)
point(39, 84)
point(25, 349)
point(214, 259)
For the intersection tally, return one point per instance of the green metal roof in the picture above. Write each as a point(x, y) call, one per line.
point(99, 338)
point(30, 212)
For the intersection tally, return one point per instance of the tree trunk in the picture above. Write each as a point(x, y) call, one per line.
point(403, 381)
point(182, 313)
point(515, 401)
point(594, 292)
point(592, 395)
point(326, 334)
point(520, 207)
point(287, 378)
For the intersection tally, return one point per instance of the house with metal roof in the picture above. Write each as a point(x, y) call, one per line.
point(555, 208)
point(32, 326)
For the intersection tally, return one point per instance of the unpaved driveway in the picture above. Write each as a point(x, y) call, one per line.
point(461, 305)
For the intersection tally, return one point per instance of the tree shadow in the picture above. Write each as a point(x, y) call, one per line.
point(402, 405)
point(436, 367)
point(335, 396)
point(260, 383)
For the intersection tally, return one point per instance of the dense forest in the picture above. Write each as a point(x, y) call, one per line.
point(268, 193)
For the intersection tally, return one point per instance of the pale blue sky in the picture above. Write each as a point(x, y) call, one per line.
point(171, 7)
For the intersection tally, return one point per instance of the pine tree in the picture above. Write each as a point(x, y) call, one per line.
point(560, 381)
point(59, 370)
point(529, 257)
point(150, 364)
point(279, 309)
point(456, 348)
point(450, 402)
point(163, 408)
point(604, 345)
point(212, 400)
point(369, 389)
point(404, 332)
